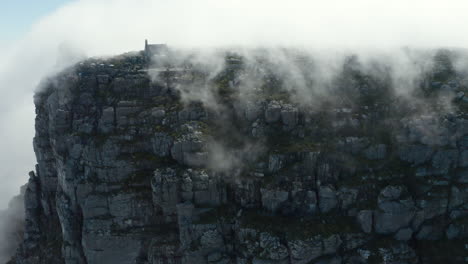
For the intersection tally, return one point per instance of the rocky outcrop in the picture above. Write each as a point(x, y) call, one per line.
point(128, 172)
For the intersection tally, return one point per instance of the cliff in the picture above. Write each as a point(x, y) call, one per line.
point(131, 171)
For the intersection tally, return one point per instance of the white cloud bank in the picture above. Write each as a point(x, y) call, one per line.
point(105, 27)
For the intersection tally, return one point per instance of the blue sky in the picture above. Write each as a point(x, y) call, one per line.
point(17, 16)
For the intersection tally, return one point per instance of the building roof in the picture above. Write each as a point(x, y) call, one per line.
point(155, 49)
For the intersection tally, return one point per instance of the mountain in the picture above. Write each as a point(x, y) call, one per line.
point(251, 159)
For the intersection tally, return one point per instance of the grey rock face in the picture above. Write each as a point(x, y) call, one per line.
point(189, 149)
point(429, 232)
point(304, 251)
point(386, 223)
point(272, 247)
point(354, 144)
point(107, 121)
point(347, 197)
point(289, 116)
point(390, 193)
point(416, 154)
point(162, 144)
point(130, 170)
point(376, 152)
point(404, 234)
point(365, 219)
point(252, 111)
point(273, 112)
point(417, 131)
point(327, 198)
point(462, 176)
point(394, 213)
point(453, 231)
point(444, 160)
point(463, 161)
point(272, 200)
point(276, 162)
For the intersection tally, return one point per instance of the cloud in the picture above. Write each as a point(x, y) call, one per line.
point(11, 227)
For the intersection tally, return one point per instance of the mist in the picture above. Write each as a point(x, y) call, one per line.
point(11, 227)
point(328, 29)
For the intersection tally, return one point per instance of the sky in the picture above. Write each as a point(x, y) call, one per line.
point(38, 38)
point(17, 16)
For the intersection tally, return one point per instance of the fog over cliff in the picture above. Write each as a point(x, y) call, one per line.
point(329, 29)
point(400, 34)
point(106, 27)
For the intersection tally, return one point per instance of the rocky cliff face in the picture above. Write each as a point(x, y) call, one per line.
point(128, 172)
